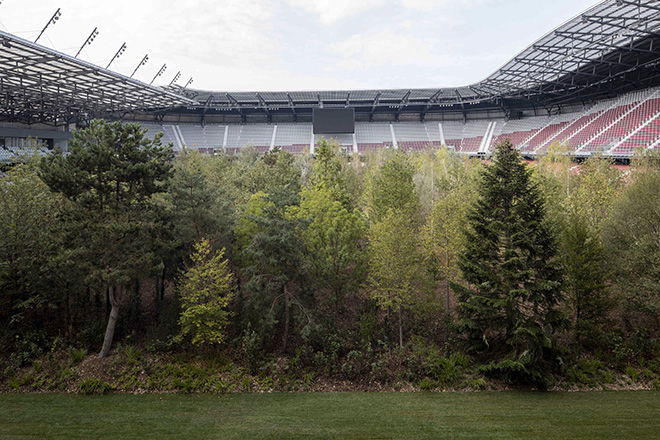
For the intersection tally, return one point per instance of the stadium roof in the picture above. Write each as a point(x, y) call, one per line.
point(38, 84)
point(609, 49)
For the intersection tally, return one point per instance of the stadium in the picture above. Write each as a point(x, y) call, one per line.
point(592, 83)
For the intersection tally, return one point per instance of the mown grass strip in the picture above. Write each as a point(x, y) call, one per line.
point(484, 415)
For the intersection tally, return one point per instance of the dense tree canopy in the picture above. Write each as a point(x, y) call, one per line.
point(384, 267)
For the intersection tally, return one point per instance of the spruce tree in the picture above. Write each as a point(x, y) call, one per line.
point(509, 307)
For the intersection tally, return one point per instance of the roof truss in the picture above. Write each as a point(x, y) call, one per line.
point(38, 84)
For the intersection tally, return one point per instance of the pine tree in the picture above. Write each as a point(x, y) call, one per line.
point(514, 282)
point(110, 178)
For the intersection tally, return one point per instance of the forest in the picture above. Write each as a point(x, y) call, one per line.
point(389, 270)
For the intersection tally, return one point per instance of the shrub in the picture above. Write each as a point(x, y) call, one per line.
point(655, 384)
point(427, 384)
point(589, 372)
point(132, 354)
point(77, 354)
point(354, 365)
point(252, 350)
point(632, 373)
point(94, 386)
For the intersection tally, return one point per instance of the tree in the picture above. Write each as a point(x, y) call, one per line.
point(631, 243)
point(271, 250)
point(329, 173)
point(553, 175)
point(584, 264)
point(334, 238)
point(333, 231)
point(395, 278)
point(110, 176)
point(28, 247)
point(595, 191)
point(205, 291)
point(510, 263)
point(451, 191)
point(192, 202)
point(443, 238)
point(394, 246)
point(392, 187)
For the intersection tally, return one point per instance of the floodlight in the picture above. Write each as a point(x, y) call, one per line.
point(121, 50)
point(160, 72)
point(142, 63)
point(176, 78)
point(53, 19)
point(89, 40)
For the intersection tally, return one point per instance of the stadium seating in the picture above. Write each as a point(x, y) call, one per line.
point(372, 136)
point(293, 137)
point(647, 135)
point(616, 127)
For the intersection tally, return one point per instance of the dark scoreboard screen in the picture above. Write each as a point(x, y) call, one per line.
point(333, 120)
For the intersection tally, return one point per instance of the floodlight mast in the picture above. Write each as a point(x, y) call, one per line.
point(89, 40)
point(175, 79)
point(142, 63)
point(160, 72)
point(53, 20)
point(190, 81)
point(121, 50)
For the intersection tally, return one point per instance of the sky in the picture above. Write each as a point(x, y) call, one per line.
point(275, 45)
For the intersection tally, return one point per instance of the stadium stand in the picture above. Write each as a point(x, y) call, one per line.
point(294, 138)
point(372, 136)
point(591, 83)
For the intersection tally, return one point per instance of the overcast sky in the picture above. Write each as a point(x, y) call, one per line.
point(264, 45)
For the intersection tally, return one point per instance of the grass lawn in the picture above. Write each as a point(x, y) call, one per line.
point(484, 415)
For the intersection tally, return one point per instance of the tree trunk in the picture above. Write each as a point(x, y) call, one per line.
point(157, 298)
point(162, 285)
point(447, 295)
point(287, 313)
point(447, 280)
point(67, 312)
point(577, 321)
point(400, 327)
point(112, 322)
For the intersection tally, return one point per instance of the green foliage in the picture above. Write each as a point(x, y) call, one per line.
point(77, 355)
point(631, 243)
point(429, 363)
point(392, 188)
point(555, 177)
point(334, 238)
point(589, 372)
point(30, 277)
point(132, 354)
point(272, 254)
point(354, 366)
point(198, 205)
point(205, 290)
point(329, 173)
point(443, 239)
point(594, 191)
point(331, 254)
point(514, 279)
point(252, 349)
point(109, 176)
point(584, 263)
point(95, 386)
point(395, 281)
